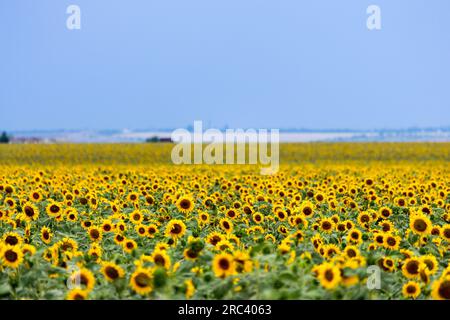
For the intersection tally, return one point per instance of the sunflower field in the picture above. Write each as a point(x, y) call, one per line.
point(120, 221)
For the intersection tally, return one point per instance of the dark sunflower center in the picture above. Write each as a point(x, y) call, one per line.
point(54, 208)
point(11, 256)
point(224, 264)
point(351, 253)
point(142, 280)
point(412, 267)
point(176, 229)
point(444, 290)
point(78, 297)
point(29, 211)
point(111, 272)
point(420, 225)
point(411, 289)
point(192, 254)
point(94, 234)
point(11, 240)
point(447, 233)
point(391, 241)
point(159, 260)
point(185, 204)
point(215, 240)
point(326, 225)
point(329, 275)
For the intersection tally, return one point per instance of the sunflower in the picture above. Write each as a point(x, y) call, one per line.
point(152, 230)
point(445, 232)
point(67, 245)
point(175, 229)
point(133, 197)
point(12, 239)
point(112, 271)
point(71, 214)
point(281, 215)
point(364, 218)
point(391, 242)
point(119, 239)
point(430, 262)
point(83, 279)
point(185, 204)
point(53, 209)
point(330, 250)
point(327, 225)
point(214, 238)
point(141, 230)
point(387, 264)
point(226, 225)
point(107, 225)
point(31, 212)
point(203, 217)
point(35, 196)
point(136, 217)
point(28, 249)
point(420, 224)
point(329, 275)
point(10, 202)
point(354, 236)
point(225, 245)
point(190, 254)
point(141, 280)
point(441, 289)
point(257, 217)
point(385, 212)
point(77, 294)
point(161, 259)
point(307, 208)
point(231, 213)
point(11, 256)
point(95, 234)
point(129, 245)
point(243, 261)
point(95, 251)
point(190, 288)
point(411, 267)
point(411, 289)
point(86, 224)
point(351, 251)
point(223, 265)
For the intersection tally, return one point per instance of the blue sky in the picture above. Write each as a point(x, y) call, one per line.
point(254, 63)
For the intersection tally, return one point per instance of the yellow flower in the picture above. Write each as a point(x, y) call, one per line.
point(411, 289)
point(224, 265)
point(141, 281)
point(329, 275)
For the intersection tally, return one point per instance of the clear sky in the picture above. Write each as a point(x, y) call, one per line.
point(246, 63)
